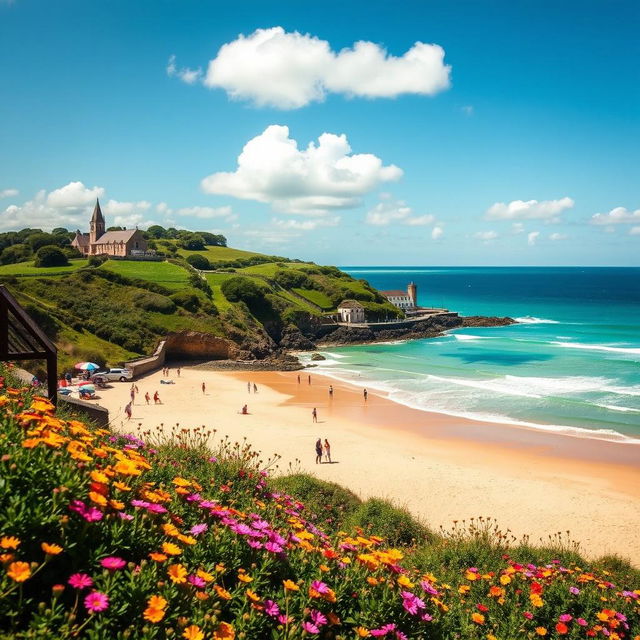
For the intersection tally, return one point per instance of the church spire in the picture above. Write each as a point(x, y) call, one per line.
point(97, 225)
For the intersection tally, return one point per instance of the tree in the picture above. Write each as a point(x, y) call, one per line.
point(50, 256)
point(213, 239)
point(192, 242)
point(198, 262)
point(239, 289)
point(37, 240)
point(15, 253)
point(156, 231)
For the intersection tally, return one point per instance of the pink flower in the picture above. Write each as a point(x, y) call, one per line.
point(197, 529)
point(96, 602)
point(574, 590)
point(528, 615)
point(310, 628)
point(318, 618)
point(429, 588)
point(582, 622)
point(320, 587)
point(411, 602)
point(80, 581)
point(271, 608)
point(113, 563)
point(565, 617)
point(197, 581)
point(273, 547)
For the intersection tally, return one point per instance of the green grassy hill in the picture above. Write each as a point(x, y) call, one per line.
point(110, 311)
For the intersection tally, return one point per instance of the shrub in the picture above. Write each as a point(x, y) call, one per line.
point(96, 261)
point(51, 256)
point(154, 302)
point(199, 262)
point(44, 320)
point(15, 253)
point(186, 299)
point(192, 242)
point(293, 279)
point(239, 289)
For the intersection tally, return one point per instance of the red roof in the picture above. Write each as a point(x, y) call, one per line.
point(395, 292)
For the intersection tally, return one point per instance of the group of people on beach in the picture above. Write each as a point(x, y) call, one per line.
point(320, 448)
point(128, 409)
point(166, 370)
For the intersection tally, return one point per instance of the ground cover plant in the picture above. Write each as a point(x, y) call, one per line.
point(107, 535)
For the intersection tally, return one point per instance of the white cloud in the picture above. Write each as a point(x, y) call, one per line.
point(437, 232)
point(270, 237)
point(485, 236)
point(532, 238)
point(131, 220)
point(206, 213)
point(517, 227)
point(529, 210)
point(558, 236)
point(619, 215)
point(116, 208)
point(8, 193)
point(634, 231)
point(389, 210)
point(313, 181)
point(289, 70)
point(74, 194)
point(189, 76)
point(306, 225)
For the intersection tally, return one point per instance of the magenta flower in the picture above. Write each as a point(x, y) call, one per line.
point(565, 617)
point(320, 587)
point(429, 588)
point(80, 581)
point(271, 608)
point(574, 590)
point(411, 602)
point(318, 618)
point(96, 602)
point(310, 627)
point(113, 563)
point(197, 581)
point(197, 529)
point(273, 547)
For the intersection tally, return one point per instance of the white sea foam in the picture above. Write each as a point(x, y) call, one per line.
point(597, 347)
point(465, 337)
point(615, 407)
point(534, 320)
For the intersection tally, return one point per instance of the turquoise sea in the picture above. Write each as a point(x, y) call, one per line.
point(571, 364)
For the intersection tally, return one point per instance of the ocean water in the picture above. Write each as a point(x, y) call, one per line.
point(571, 364)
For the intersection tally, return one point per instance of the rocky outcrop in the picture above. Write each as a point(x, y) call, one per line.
point(197, 345)
point(317, 356)
point(293, 340)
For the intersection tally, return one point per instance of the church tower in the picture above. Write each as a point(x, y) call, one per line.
point(412, 292)
point(96, 228)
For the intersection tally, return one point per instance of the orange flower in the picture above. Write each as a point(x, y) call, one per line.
point(290, 586)
point(126, 467)
point(464, 588)
point(122, 486)
point(9, 542)
point(562, 628)
point(4, 401)
point(193, 633)
point(496, 591)
point(222, 592)
point(171, 549)
point(478, 618)
point(158, 557)
point(536, 600)
point(190, 540)
point(153, 615)
point(30, 443)
point(177, 573)
point(372, 581)
point(243, 577)
point(541, 631)
point(51, 549)
point(224, 632)
point(19, 571)
point(41, 404)
point(170, 530)
point(207, 577)
point(181, 482)
point(99, 476)
point(116, 504)
point(98, 498)
point(361, 632)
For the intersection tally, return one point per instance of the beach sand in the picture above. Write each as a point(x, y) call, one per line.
point(442, 468)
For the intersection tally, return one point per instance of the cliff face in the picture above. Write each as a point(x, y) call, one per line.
point(197, 345)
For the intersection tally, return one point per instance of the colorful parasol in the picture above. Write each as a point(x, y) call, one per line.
point(87, 366)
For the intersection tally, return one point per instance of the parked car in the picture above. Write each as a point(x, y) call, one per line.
point(114, 374)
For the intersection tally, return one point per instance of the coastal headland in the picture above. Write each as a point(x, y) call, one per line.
point(443, 469)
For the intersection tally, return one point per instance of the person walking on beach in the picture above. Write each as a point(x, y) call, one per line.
point(204, 387)
point(327, 451)
point(331, 391)
point(309, 379)
point(147, 397)
point(255, 388)
point(365, 394)
point(314, 415)
point(298, 378)
point(178, 371)
point(248, 387)
point(127, 411)
point(318, 451)
point(133, 395)
point(156, 398)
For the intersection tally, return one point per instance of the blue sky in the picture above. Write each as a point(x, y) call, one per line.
point(513, 141)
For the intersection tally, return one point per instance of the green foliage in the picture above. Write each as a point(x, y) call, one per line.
point(38, 240)
point(50, 256)
point(292, 278)
point(96, 261)
point(192, 242)
point(239, 289)
point(44, 319)
point(213, 239)
point(15, 253)
point(198, 262)
point(150, 301)
point(187, 299)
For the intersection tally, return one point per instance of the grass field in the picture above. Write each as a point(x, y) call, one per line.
point(215, 280)
point(268, 269)
point(27, 269)
point(317, 297)
point(164, 273)
point(219, 254)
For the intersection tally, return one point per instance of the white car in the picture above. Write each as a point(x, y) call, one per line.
point(115, 374)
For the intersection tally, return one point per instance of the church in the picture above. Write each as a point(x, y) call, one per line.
point(99, 242)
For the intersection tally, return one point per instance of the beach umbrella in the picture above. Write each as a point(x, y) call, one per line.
point(87, 366)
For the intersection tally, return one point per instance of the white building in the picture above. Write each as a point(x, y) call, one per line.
point(405, 300)
point(351, 311)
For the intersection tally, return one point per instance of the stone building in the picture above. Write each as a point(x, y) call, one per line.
point(405, 300)
point(110, 243)
point(351, 311)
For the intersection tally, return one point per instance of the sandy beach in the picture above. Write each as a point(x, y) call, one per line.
point(442, 468)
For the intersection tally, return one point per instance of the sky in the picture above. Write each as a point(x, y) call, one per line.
point(452, 132)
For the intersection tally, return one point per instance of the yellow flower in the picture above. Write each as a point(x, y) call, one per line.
point(170, 530)
point(177, 573)
point(541, 631)
point(464, 588)
point(19, 571)
point(207, 577)
point(224, 632)
point(99, 476)
point(171, 549)
point(505, 580)
point(193, 633)
point(98, 498)
point(10, 542)
point(290, 586)
point(252, 595)
point(403, 581)
point(158, 557)
point(361, 632)
point(181, 482)
point(51, 549)
point(41, 404)
point(536, 600)
point(243, 577)
point(478, 618)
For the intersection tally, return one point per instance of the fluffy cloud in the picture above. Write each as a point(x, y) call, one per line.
point(74, 195)
point(189, 76)
point(313, 181)
point(206, 213)
point(529, 210)
point(306, 225)
point(485, 236)
point(619, 215)
point(289, 70)
point(389, 211)
point(116, 208)
point(532, 238)
point(558, 236)
point(8, 193)
point(437, 232)
point(634, 231)
point(517, 227)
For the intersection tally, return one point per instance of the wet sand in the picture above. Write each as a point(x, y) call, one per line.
point(440, 467)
